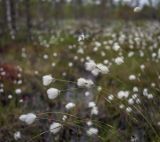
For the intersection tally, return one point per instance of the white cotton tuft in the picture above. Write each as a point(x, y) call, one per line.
point(121, 106)
point(55, 127)
point(116, 47)
point(92, 131)
point(47, 79)
point(135, 89)
point(90, 65)
point(22, 117)
point(137, 9)
point(70, 105)
point(103, 69)
point(128, 109)
point(64, 117)
point(95, 72)
point(95, 69)
point(28, 118)
point(81, 82)
point(159, 53)
point(52, 93)
point(99, 88)
point(81, 37)
point(132, 77)
point(110, 97)
point(119, 60)
point(89, 123)
point(91, 104)
point(131, 101)
point(17, 135)
point(94, 111)
point(87, 93)
point(123, 94)
point(18, 91)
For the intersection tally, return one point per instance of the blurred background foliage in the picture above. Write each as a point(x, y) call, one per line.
point(20, 18)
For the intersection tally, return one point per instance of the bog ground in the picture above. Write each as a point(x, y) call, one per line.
point(82, 83)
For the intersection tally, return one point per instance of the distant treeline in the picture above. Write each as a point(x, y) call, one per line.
point(23, 15)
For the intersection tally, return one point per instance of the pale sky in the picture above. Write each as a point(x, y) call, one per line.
point(142, 2)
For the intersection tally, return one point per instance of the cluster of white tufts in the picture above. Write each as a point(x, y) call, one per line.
point(92, 131)
point(51, 92)
point(28, 118)
point(123, 94)
point(94, 108)
point(96, 69)
point(82, 82)
point(147, 94)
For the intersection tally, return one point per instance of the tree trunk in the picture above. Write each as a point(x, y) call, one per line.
point(28, 19)
point(10, 17)
point(3, 18)
point(13, 15)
